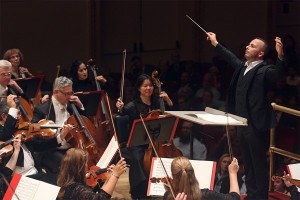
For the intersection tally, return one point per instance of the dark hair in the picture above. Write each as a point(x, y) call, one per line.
point(74, 69)
point(139, 82)
point(3, 108)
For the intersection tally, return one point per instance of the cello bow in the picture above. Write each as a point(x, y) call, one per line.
point(159, 158)
point(123, 75)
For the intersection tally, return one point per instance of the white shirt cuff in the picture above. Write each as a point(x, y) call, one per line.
point(13, 112)
point(60, 141)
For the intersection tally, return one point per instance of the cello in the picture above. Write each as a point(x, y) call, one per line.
point(164, 149)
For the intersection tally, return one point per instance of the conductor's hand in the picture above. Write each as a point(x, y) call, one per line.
point(212, 37)
point(279, 47)
point(119, 104)
point(233, 168)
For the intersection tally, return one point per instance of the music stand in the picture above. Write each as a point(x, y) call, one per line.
point(30, 86)
point(161, 128)
point(91, 101)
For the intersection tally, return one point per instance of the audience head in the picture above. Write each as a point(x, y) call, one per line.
point(184, 179)
point(223, 163)
point(185, 131)
point(5, 72)
point(14, 56)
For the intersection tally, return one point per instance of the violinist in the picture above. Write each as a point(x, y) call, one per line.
point(57, 110)
point(25, 162)
point(72, 177)
point(292, 189)
point(15, 56)
point(5, 79)
point(184, 180)
point(144, 102)
point(81, 80)
point(7, 167)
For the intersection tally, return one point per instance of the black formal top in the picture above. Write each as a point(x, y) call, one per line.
point(77, 191)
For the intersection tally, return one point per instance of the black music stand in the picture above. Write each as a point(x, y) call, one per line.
point(30, 86)
point(91, 101)
point(160, 128)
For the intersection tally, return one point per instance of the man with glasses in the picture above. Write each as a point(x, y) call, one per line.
point(57, 110)
point(5, 79)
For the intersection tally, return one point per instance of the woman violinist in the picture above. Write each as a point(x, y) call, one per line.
point(144, 102)
point(72, 177)
point(184, 180)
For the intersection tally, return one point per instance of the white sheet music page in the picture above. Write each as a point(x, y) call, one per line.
point(220, 119)
point(30, 189)
point(109, 153)
point(204, 172)
point(294, 171)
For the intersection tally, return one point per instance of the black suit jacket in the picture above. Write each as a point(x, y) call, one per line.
point(259, 111)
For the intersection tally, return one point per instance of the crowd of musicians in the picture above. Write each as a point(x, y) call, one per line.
point(64, 156)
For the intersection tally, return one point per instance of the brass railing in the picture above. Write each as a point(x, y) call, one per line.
point(273, 149)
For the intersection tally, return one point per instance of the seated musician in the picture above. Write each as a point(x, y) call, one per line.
point(72, 177)
point(184, 180)
point(5, 79)
point(25, 162)
point(82, 82)
point(7, 167)
point(144, 102)
point(292, 189)
point(57, 110)
point(15, 56)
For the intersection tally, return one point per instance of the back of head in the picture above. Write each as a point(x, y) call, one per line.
point(184, 179)
point(72, 168)
point(3, 108)
point(61, 82)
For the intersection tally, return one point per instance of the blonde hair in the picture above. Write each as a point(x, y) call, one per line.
point(184, 179)
point(72, 169)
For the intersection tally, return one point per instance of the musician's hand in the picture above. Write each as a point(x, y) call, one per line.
point(119, 104)
point(212, 37)
point(120, 167)
point(286, 179)
point(74, 99)
point(11, 101)
point(233, 168)
point(17, 143)
point(166, 98)
point(45, 98)
point(181, 196)
point(65, 130)
point(279, 47)
point(15, 85)
point(24, 70)
point(101, 79)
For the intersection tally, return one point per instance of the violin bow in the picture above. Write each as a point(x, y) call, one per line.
point(159, 158)
point(123, 75)
point(57, 73)
point(113, 124)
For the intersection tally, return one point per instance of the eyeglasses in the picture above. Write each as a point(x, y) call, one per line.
point(5, 74)
point(67, 93)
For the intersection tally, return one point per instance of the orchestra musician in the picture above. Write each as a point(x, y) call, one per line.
point(184, 180)
point(15, 56)
point(25, 162)
point(57, 110)
point(144, 102)
point(5, 79)
point(72, 177)
point(81, 80)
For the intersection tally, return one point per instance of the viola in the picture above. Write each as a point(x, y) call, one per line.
point(6, 149)
point(292, 181)
point(44, 129)
point(94, 175)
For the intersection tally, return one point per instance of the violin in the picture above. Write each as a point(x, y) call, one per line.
point(6, 149)
point(94, 175)
point(292, 181)
point(43, 129)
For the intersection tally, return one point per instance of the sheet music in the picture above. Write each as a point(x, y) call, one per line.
point(109, 153)
point(31, 189)
point(221, 119)
point(204, 171)
point(294, 171)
